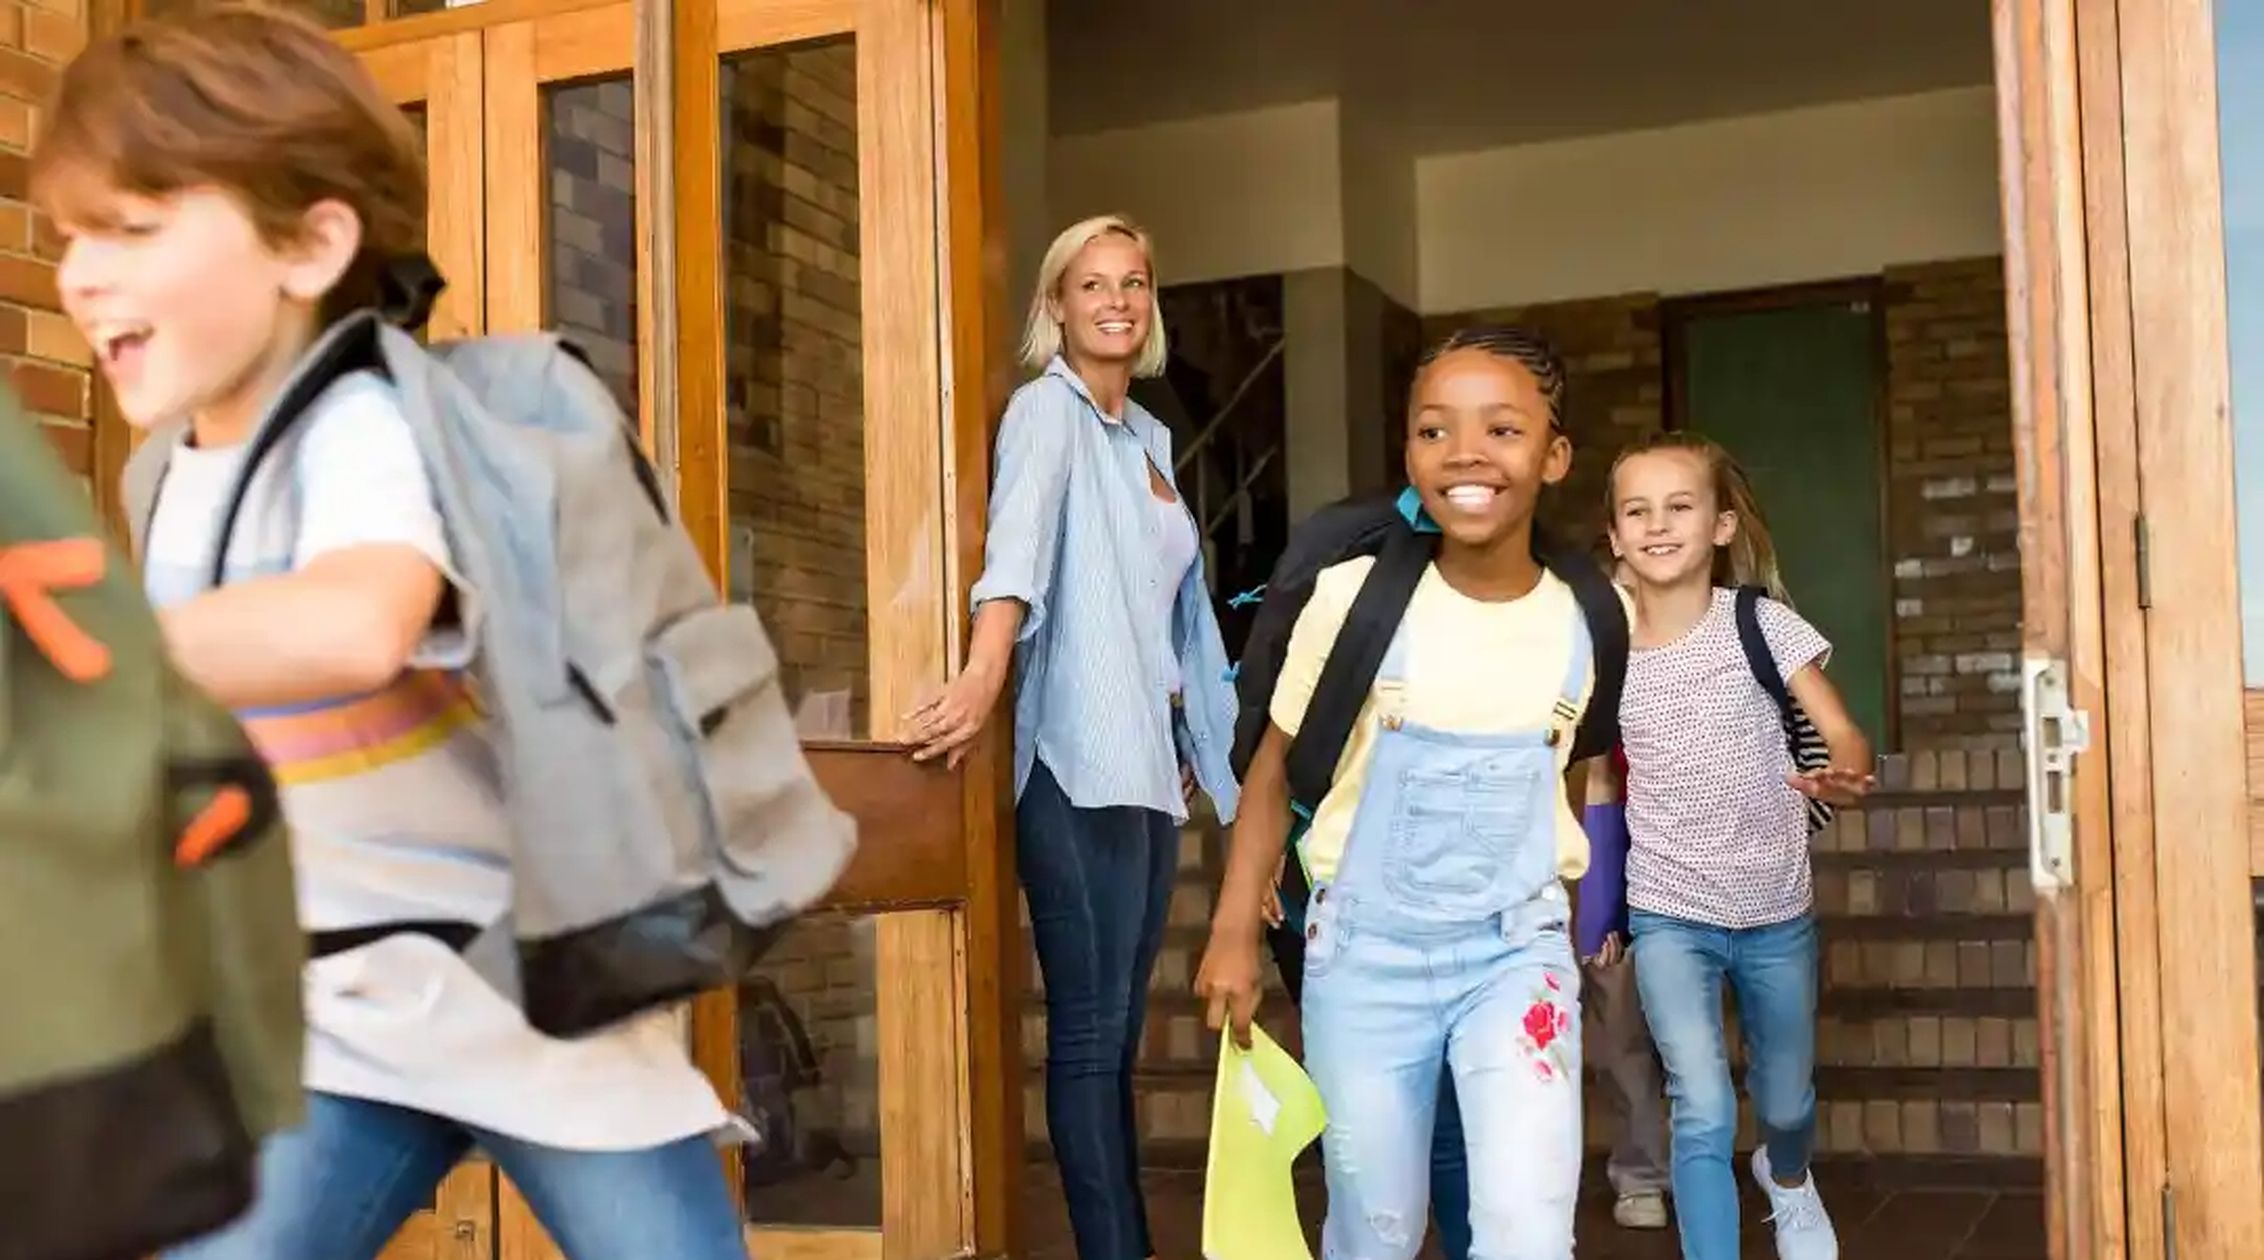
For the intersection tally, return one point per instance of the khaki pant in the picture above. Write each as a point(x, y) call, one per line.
point(1619, 1047)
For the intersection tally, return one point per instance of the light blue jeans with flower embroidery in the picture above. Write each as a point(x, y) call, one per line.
point(1504, 1015)
point(1440, 938)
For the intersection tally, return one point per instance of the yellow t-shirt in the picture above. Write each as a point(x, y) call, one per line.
point(1472, 668)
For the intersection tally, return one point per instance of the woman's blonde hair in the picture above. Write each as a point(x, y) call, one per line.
point(1750, 559)
point(1041, 336)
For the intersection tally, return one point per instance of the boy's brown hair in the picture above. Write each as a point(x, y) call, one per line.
point(261, 105)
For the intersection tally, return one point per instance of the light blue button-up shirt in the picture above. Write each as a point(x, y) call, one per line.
point(1074, 535)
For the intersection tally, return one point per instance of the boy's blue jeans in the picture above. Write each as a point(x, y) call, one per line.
point(1680, 968)
point(341, 1185)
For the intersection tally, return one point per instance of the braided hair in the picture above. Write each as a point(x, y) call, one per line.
point(1527, 349)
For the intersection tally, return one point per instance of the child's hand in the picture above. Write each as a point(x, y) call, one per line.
point(1833, 785)
point(1228, 981)
point(1611, 952)
point(1271, 906)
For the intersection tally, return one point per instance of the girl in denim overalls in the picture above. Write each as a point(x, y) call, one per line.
point(1437, 931)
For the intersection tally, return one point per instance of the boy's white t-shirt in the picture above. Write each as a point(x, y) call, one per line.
point(396, 812)
point(1473, 667)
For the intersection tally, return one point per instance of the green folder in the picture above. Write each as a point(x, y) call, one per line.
point(1264, 1111)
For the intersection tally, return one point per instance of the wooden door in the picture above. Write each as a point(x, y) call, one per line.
point(2125, 228)
point(2171, 119)
point(769, 223)
point(1795, 378)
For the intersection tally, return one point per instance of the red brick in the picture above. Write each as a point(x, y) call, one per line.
point(56, 37)
point(27, 282)
point(54, 391)
point(75, 443)
point(25, 77)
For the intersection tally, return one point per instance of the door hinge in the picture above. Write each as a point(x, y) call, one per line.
point(2143, 538)
point(2055, 732)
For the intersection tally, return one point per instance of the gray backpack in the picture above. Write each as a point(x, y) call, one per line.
point(665, 824)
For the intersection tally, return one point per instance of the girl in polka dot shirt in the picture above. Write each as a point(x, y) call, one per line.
point(1717, 869)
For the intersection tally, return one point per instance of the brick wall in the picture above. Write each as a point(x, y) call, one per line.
point(1952, 519)
point(46, 361)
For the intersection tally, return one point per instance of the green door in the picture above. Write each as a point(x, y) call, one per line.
point(1793, 392)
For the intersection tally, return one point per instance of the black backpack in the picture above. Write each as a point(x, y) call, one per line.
point(1384, 526)
point(1801, 738)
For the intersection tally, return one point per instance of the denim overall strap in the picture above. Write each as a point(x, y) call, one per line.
point(1579, 662)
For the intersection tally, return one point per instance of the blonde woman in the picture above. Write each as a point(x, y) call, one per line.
point(1093, 589)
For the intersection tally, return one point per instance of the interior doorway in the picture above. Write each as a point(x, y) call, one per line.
point(1798, 228)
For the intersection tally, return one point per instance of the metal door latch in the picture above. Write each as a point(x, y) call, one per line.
point(2054, 732)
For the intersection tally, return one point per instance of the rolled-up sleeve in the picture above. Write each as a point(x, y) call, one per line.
point(1028, 487)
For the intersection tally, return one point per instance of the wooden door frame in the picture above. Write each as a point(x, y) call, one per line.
point(2116, 261)
point(2040, 178)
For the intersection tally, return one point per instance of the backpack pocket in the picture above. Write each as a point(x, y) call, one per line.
point(738, 745)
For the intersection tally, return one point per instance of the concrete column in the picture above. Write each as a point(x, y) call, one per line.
point(1313, 362)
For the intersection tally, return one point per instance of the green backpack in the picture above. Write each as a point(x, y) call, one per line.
point(150, 1026)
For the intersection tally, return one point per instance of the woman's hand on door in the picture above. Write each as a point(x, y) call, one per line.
point(946, 723)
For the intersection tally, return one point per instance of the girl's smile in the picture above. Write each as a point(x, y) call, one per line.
point(1481, 443)
point(1665, 522)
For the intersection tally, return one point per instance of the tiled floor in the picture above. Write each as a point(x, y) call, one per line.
point(1873, 1224)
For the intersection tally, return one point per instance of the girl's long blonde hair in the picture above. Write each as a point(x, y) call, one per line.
point(1750, 559)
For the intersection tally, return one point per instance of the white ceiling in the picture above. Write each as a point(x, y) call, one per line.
point(1451, 75)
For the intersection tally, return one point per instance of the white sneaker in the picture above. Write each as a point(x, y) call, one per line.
point(1804, 1229)
point(1641, 1209)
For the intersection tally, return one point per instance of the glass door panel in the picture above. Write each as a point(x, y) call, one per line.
point(590, 230)
point(794, 372)
point(794, 447)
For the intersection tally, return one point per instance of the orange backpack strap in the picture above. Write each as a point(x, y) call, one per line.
point(243, 804)
point(30, 575)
